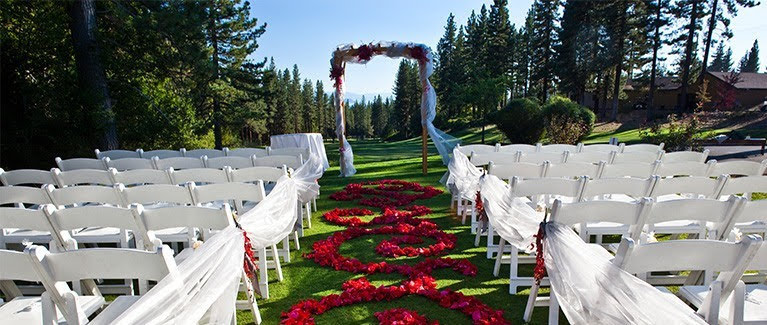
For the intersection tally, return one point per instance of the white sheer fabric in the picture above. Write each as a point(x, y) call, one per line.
point(313, 141)
point(345, 53)
point(589, 288)
point(205, 288)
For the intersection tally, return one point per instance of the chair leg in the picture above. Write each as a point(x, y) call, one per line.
point(478, 235)
point(514, 263)
point(286, 249)
point(314, 202)
point(251, 299)
point(452, 201)
point(263, 281)
point(459, 206)
point(498, 257)
point(553, 309)
point(295, 240)
point(463, 216)
point(490, 241)
point(277, 265)
point(531, 303)
point(308, 215)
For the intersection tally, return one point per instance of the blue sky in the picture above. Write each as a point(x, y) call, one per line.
point(305, 32)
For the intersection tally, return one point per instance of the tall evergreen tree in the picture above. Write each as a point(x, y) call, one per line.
point(378, 117)
point(406, 101)
point(497, 39)
point(750, 61)
point(320, 106)
point(690, 11)
point(659, 20)
point(717, 63)
point(543, 43)
point(447, 71)
point(307, 104)
point(295, 101)
point(716, 15)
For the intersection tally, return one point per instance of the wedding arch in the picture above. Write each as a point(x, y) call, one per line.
point(351, 53)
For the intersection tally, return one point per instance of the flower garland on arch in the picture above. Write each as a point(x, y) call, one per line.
point(406, 228)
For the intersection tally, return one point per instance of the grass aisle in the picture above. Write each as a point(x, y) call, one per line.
point(305, 279)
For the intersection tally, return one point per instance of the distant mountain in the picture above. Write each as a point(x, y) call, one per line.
point(368, 97)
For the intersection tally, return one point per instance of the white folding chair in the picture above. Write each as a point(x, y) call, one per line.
point(636, 157)
point(601, 147)
point(23, 225)
point(244, 195)
point(730, 259)
point(117, 154)
point(198, 153)
point(231, 161)
point(540, 157)
point(558, 148)
point(636, 169)
point(80, 163)
point(245, 152)
point(177, 163)
point(29, 309)
point(198, 176)
point(513, 148)
point(744, 186)
point(303, 152)
point(690, 186)
point(129, 163)
point(476, 148)
point(646, 147)
point(682, 156)
point(34, 177)
point(259, 173)
point(84, 194)
point(507, 170)
point(156, 195)
point(592, 157)
point(96, 263)
point(82, 177)
point(482, 159)
point(740, 168)
point(21, 196)
point(573, 169)
point(162, 153)
point(685, 168)
point(139, 177)
point(752, 219)
point(279, 161)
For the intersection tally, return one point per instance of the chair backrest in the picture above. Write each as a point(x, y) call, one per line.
point(631, 186)
point(64, 220)
point(157, 193)
point(231, 161)
point(760, 259)
point(33, 177)
point(629, 169)
point(245, 152)
point(237, 192)
point(198, 153)
point(304, 152)
point(714, 211)
point(682, 156)
point(636, 156)
point(601, 147)
point(539, 157)
point(553, 186)
point(745, 185)
point(77, 195)
point(23, 195)
point(696, 185)
point(279, 161)
point(573, 169)
point(513, 148)
point(129, 163)
point(646, 147)
point(17, 266)
point(507, 171)
point(162, 153)
point(80, 163)
point(198, 176)
point(82, 177)
point(31, 219)
point(589, 157)
point(476, 148)
point(740, 168)
point(178, 163)
point(204, 218)
point(117, 154)
point(482, 159)
point(633, 214)
point(140, 177)
point(254, 174)
point(558, 148)
point(750, 211)
point(685, 168)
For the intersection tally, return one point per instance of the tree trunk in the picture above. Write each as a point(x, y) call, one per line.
point(711, 25)
point(688, 57)
point(653, 71)
point(619, 63)
point(91, 78)
point(212, 30)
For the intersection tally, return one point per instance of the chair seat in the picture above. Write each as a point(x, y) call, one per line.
point(752, 227)
point(28, 310)
point(98, 235)
point(755, 307)
point(115, 309)
point(679, 226)
point(173, 235)
point(611, 228)
point(17, 236)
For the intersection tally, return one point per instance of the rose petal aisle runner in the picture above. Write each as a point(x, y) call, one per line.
point(400, 220)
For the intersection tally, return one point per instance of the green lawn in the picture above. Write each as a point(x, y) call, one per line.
point(374, 160)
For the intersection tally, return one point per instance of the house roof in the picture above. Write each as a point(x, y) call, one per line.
point(748, 80)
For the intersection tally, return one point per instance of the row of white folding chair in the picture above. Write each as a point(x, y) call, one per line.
point(164, 153)
point(566, 156)
point(292, 161)
point(559, 148)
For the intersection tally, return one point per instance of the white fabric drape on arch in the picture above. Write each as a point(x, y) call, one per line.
point(589, 288)
point(443, 141)
point(205, 288)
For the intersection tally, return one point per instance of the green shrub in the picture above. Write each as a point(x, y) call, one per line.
point(566, 121)
point(521, 121)
point(679, 133)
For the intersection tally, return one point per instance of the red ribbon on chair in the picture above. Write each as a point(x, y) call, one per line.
point(540, 265)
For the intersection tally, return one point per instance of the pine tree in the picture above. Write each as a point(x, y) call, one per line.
point(497, 38)
point(727, 60)
point(750, 61)
point(717, 63)
point(446, 72)
point(379, 117)
point(307, 111)
point(578, 36)
point(406, 100)
point(543, 43)
point(295, 101)
point(320, 105)
point(690, 11)
point(717, 15)
point(283, 114)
